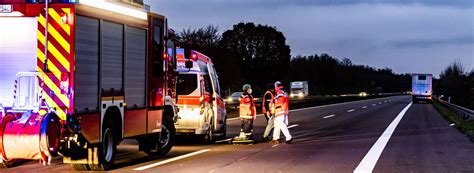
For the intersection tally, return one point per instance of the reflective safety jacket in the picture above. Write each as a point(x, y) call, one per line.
point(268, 104)
point(281, 103)
point(247, 108)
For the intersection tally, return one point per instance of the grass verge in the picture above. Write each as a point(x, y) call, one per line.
point(465, 126)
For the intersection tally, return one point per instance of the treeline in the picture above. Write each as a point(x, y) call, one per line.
point(258, 55)
point(456, 84)
point(328, 75)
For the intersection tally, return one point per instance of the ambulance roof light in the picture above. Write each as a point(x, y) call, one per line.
point(103, 4)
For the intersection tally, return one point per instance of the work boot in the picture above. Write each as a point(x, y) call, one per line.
point(274, 142)
point(289, 141)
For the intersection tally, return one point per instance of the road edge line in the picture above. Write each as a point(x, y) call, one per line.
point(370, 159)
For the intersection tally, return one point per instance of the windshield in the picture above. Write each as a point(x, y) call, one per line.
point(236, 94)
point(187, 84)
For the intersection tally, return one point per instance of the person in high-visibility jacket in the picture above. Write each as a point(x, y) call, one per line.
point(268, 109)
point(247, 110)
point(281, 114)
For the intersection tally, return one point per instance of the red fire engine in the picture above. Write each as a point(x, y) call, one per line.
point(78, 77)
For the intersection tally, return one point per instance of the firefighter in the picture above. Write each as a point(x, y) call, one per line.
point(281, 114)
point(268, 109)
point(247, 112)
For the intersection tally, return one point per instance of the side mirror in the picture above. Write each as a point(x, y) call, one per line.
point(188, 64)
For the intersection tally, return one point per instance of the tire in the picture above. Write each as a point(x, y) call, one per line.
point(8, 164)
point(166, 138)
point(107, 148)
point(209, 136)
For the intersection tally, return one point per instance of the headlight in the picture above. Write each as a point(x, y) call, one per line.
point(301, 95)
point(229, 99)
point(292, 95)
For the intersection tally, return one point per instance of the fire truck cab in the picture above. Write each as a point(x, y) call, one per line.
point(78, 77)
point(201, 107)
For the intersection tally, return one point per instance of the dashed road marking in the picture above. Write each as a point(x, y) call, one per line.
point(274, 145)
point(294, 125)
point(380, 103)
point(368, 162)
point(351, 110)
point(363, 107)
point(374, 104)
point(170, 160)
point(329, 116)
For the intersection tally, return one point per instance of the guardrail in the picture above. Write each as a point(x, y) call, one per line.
point(463, 112)
point(299, 100)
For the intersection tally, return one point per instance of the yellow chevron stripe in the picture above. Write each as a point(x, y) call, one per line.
point(41, 37)
point(53, 87)
point(40, 55)
point(57, 18)
point(55, 53)
point(42, 112)
point(50, 102)
point(58, 37)
point(59, 56)
point(51, 66)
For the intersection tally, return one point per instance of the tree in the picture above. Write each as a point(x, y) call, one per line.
point(259, 50)
point(454, 83)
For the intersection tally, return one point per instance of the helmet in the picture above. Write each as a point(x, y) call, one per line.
point(246, 87)
point(278, 84)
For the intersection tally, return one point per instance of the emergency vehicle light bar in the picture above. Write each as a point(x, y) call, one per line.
point(103, 4)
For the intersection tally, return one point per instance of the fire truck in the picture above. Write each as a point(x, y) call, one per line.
point(78, 77)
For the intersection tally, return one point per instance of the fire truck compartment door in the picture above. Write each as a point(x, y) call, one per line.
point(18, 52)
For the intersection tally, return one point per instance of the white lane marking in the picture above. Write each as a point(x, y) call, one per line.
point(315, 107)
point(385, 101)
point(329, 116)
point(351, 110)
point(274, 145)
point(368, 162)
point(380, 103)
point(294, 125)
point(363, 107)
point(224, 140)
point(374, 104)
point(170, 160)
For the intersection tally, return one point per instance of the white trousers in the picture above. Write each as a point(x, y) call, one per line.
point(280, 124)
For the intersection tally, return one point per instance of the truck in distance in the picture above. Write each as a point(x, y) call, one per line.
point(299, 89)
point(421, 87)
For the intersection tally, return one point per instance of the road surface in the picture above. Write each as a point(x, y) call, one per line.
point(377, 135)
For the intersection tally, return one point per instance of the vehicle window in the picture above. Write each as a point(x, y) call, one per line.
point(236, 94)
point(187, 84)
point(421, 77)
point(157, 52)
point(207, 84)
point(202, 66)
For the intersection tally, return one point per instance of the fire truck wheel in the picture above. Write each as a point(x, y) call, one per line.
point(166, 138)
point(107, 148)
point(168, 133)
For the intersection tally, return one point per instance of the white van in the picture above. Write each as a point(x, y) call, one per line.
point(421, 87)
point(201, 107)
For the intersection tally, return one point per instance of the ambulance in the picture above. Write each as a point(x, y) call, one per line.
point(201, 107)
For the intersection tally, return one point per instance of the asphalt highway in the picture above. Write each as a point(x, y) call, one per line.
point(378, 135)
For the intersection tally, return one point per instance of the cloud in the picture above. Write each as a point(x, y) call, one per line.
point(371, 32)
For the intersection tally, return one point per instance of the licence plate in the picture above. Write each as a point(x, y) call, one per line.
point(5, 8)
